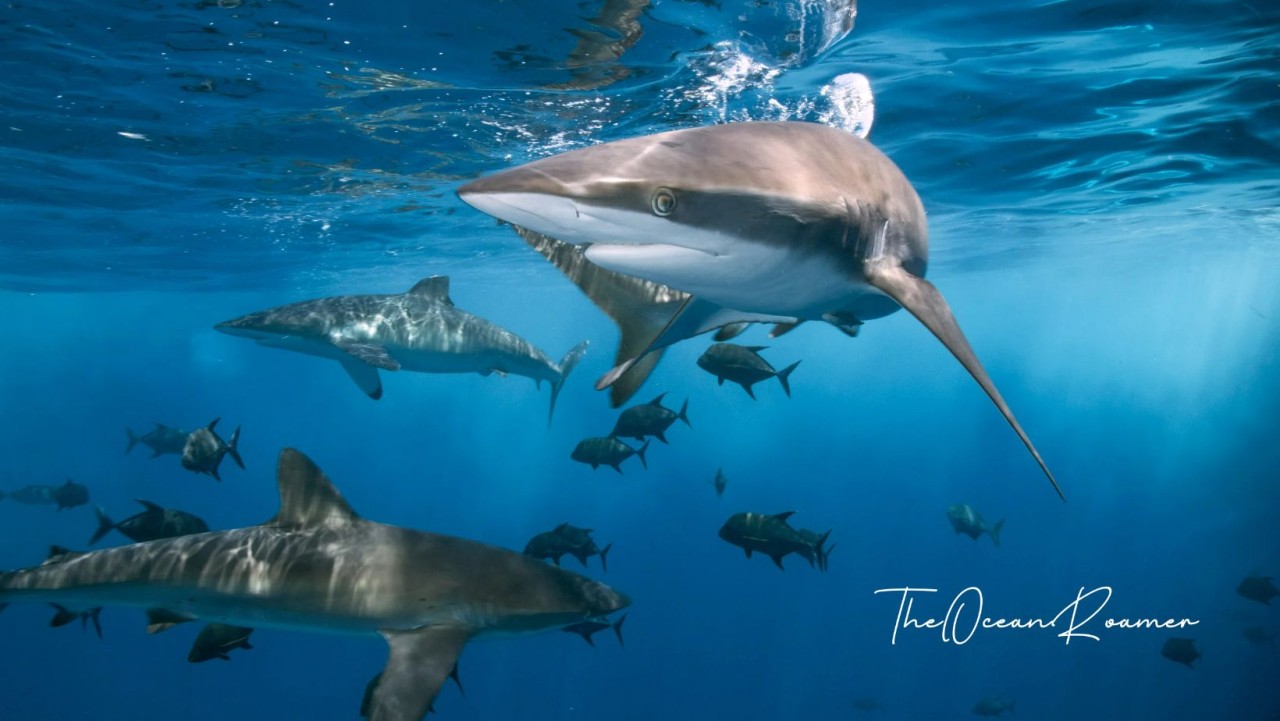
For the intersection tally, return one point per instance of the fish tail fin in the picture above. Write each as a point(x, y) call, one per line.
point(995, 531)
point(93, 615)
point(604, 558)
point(784, 374)
point(233, 451)
point(640, 453)
point(684, 413)
point(617, 628)
point(565, 367)
point(133, 440)
point(105, 525)
point(822, 553)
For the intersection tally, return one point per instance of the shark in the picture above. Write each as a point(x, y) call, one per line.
point(420, 330)
point(683, 232)
point(318, 566)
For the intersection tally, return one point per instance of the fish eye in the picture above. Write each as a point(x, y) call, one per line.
point(664, 202)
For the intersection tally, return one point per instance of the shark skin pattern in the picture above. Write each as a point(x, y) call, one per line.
point(420, 330)
point(317, 566)
point(778, 222)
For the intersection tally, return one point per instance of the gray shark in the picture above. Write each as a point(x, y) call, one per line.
point(161, 440)
point(420, 330)
point(778, 222)
point(317, 566)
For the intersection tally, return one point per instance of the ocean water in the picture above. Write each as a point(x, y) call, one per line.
point(1102, 182)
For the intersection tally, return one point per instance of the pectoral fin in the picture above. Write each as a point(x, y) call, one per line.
point(420, 662)
point(924, 301)
point(650, 316)
point(369, 353)
point(365, 376)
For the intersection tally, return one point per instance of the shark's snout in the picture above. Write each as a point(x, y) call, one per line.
point(603, 600)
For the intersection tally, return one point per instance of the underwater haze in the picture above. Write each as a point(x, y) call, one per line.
point(1102, 183)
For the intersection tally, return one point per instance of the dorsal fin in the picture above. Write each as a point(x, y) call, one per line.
point(307, 498)
point(784, 515)
point(435, 288)
point(151, 507)
point(58, 554)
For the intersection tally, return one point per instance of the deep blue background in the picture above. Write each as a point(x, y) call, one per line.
point(1101, 186)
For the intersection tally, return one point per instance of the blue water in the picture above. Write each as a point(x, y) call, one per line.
point(1102, 187)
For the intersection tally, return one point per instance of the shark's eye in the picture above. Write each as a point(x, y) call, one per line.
point(664, 202)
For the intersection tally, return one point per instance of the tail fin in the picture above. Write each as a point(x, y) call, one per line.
point(133, 440)
point(105, 525)
point(822, 553)
point(995, 531)
point(684, 413)
point(566, 367)
point(604, 558)
point(63, 615)
point(231, 448)
point(617, 628)
point(782, 377)
point(640, 453)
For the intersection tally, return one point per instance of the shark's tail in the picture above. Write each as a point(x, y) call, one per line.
point(604, 558)
point(684, 413)
point(133, 440)
point(995, 531)
point(565, 367)
point(105, 525)
point(233, 451)
point(640, 453)
point(782, 377)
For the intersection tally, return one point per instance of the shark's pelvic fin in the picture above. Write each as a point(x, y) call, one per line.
point(307, 498)
point(436, 288)
point(160, 619)
point(420, 662)
point(731, 331)
point(923, 300)
point(365, 376)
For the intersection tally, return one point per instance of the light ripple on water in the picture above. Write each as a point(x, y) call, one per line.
point(230, 144)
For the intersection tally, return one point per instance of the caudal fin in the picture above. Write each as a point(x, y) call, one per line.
point(684, 413)
point(923, 300)
point(105, 525)
point(640, 453)
point(995, 531)
point(822, 553)
point(784, 374)
point(133, 440)
point(566, 367)
point(233, 451)
point(617, 628)
point(604, 558)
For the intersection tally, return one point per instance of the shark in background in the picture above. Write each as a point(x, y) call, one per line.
point(420, 330)
point(317, 566)
point(679, 233)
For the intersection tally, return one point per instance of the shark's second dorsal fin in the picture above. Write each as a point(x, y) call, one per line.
point(307, 498)
point(434, 288)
